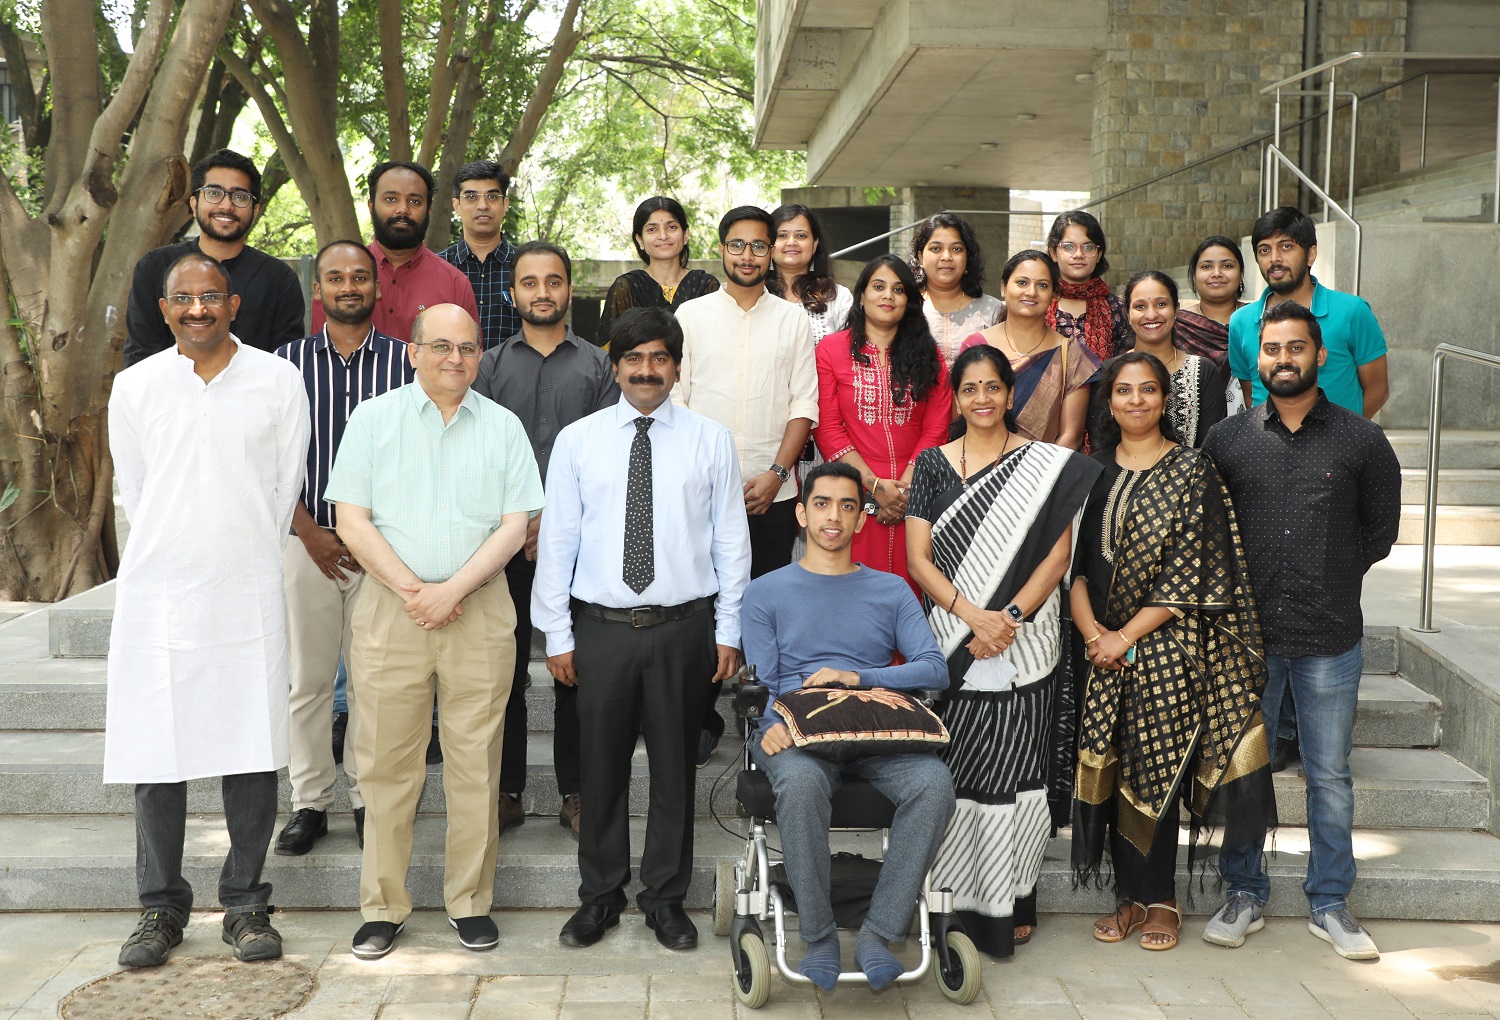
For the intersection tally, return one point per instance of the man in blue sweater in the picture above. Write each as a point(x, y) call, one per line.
point(784, 624)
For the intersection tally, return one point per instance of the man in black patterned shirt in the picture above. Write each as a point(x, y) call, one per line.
point(1317, 490)
point(484, 255)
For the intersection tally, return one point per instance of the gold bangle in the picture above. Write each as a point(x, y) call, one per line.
point(1128, 643)
point(1089, 641)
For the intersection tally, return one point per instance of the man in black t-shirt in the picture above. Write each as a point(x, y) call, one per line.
point(225, 198)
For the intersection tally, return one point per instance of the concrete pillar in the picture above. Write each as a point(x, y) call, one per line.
point(993, 231)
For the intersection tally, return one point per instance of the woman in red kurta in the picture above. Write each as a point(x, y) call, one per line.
point(882, 399)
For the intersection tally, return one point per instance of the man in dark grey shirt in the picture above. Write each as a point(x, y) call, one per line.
point(548, 378)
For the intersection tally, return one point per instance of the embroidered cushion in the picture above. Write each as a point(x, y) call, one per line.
point(840, 723)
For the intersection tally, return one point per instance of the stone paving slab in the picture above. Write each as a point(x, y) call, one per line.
point(1428, 969)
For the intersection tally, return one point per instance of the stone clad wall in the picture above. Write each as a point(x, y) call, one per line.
point(1366, 26)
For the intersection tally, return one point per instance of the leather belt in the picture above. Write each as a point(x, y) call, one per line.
point(644, 616)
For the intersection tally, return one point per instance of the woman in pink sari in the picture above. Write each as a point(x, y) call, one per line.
point(882, 399)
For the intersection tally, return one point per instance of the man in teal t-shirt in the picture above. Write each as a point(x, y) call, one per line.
point(1285, 242)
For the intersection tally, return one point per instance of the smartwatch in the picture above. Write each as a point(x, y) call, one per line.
point(1014, 612)
point(780, 472)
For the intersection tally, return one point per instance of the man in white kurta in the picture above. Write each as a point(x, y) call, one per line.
point(209, 439)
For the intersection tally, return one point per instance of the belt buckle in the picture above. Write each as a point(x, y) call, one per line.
point(642, 617)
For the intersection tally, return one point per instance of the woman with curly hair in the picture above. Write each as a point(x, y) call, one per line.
point(950, 265)
point(800, 272)
point(882, 399)
point(660, 235)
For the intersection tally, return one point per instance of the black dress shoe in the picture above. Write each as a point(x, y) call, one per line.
point(1287, 752)
point(588, 925)
point(359, 826)
point(434, 749)
point(674, 929)
point(340, 727)
point(306, 828)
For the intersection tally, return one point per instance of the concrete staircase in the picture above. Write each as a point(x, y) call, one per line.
point(67, 840)
point(1461, 190)
point(1468, 511)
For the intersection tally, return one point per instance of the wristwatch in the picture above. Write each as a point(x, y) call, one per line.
point(780, 472)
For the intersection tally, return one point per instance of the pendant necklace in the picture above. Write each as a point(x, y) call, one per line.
point(963, 458)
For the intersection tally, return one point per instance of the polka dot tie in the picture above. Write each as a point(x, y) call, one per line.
point(640, 554)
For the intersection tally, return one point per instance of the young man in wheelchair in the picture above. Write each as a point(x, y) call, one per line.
point(829, 621)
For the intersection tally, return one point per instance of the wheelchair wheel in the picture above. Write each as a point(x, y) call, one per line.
point(754, 988)
point(723, 897)
point(962, 983)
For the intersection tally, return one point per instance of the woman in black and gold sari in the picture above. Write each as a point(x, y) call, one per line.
point(989, 533)
point(1171, 709)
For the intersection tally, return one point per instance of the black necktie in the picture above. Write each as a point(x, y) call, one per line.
point(640, 554)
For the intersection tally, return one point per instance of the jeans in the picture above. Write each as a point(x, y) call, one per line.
point(341, 689)
point(160, 827)
point(1326, 689)
point(920, 786)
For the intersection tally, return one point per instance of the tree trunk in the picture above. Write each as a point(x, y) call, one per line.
point(393, 77)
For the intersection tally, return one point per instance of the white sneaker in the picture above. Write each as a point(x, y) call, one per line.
point(1347, 936)
point(1239, 917)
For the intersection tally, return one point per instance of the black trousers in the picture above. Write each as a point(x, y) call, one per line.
point(771, 536)
point(1153, 878)
point(161, 826)
point(519, 575)
point(651, 680)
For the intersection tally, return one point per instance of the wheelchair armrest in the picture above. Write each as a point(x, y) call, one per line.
point(930, 696)
point(750, 699)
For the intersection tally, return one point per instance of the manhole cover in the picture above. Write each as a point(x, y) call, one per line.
point(193, 989)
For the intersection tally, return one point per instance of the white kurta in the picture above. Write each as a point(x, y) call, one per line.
point(209, 474)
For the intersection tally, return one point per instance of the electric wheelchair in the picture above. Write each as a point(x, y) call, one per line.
point(757, 890)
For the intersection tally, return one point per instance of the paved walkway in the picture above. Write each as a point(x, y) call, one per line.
point(1427, 970)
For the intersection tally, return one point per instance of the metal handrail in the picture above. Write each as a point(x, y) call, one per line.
point(1434, 431)
point(1360, 55)
point(1269, 198)
point(943, 212)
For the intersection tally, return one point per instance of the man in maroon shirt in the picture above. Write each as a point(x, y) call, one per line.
point(411, 276)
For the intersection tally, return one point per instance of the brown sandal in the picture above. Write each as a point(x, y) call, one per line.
point(1122, 922)
point(1160, 927)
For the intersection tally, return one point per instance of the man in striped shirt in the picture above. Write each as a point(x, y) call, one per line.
point(345, 362)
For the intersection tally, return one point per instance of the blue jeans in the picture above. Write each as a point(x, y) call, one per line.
point(920, 786)
point(1326, 690)
point(340, 689)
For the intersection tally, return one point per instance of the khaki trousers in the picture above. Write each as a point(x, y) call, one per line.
point(396, 666)
point(319, 611)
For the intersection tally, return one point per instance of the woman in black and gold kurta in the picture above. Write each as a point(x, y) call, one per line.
point(1171, 710)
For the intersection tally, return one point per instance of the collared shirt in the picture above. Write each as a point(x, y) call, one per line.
point(1317, 508)
point(700, 536)
point(435, 491)
point(572, 382)
point(752, 372)
point(271, 306)
point(491, 279)
point(334, 387)
point(1350, 333)
point(419, 282)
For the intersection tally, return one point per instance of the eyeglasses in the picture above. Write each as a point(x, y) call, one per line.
point(443, 348)
point(635, 359)
point(1088, 248)
point(738, 246)
point(1295, 348)
point(214, 194)
point(471, 197)
point(213, 299)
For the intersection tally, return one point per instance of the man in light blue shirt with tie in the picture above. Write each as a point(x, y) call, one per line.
point(642, 559)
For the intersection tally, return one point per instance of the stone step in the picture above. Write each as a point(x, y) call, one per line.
point(1393, 712)
point(60, 772)
point(87, 862)
point(1456, 486)
point(1462, 448)
point(1399, 788)
point(1478, 168)
point(1454, 198)
point(1456, 525)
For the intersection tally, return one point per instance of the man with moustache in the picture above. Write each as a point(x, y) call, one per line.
point(788, 640)
point(209, 441)
point(747, 363)
point(224, 196)
point(1317, 491)
point(1285, 242)
point(641, 562)
point(346, 362)
point(549, 378)
point(432, 488)
point(411, 276)
point(480, 190)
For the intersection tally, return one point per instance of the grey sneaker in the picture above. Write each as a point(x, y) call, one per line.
point(1347, 936)
point(1238, 918)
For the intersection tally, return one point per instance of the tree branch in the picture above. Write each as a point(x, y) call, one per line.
point(393, 77)
point(109, 129)
point(280, 134)
point(563, 44)
point(440, 95)
point(72, 45)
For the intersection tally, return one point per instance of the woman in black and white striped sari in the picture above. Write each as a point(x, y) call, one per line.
point(990, 522)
